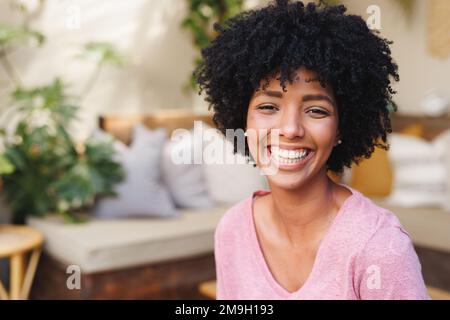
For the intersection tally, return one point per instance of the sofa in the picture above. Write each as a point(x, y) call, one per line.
point(169, 258)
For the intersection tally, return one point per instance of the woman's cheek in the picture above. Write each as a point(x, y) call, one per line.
point(322, 130)
point(252, 141)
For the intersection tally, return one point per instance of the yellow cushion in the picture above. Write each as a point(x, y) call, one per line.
point(374, 176)
point(415, 129)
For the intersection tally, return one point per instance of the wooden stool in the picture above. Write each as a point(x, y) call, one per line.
point(15, 243)
point(438, 294)
point(208, 289)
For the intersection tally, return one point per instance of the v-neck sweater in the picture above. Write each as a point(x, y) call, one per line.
point(365, 254)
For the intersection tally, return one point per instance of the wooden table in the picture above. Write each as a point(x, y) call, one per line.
point(22, 246)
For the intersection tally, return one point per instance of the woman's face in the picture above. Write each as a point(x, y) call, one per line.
point(307, 121)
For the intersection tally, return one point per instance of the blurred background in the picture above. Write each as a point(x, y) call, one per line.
point(92, 207)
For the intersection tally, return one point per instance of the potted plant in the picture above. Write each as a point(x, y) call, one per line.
point(42, 168)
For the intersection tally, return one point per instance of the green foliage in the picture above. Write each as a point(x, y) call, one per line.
point(51, 173)
point(42, 168)
point(201, 16)
point(392, 106)
point(47, 100)
point(103, 53)
point(6, 166)
point(10, 35)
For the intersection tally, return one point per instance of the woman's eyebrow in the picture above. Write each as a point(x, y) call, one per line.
point(276, 94)
point(308, 97)
point(315, 97)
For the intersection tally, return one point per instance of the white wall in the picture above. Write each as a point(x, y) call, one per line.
point(419, 72)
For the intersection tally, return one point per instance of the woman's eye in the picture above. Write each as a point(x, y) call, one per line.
point(266, 107)
point(318, 112)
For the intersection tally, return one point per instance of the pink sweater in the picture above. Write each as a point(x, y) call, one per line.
point(365, 254)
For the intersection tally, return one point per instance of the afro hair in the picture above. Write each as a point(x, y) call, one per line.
point(278, 39)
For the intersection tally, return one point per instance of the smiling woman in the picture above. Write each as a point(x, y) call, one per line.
point(310, 85)
point(307, 119)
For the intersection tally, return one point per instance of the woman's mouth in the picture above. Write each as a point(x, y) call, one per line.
point(289, 159)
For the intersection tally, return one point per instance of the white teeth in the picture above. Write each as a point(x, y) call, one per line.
point(288, 156)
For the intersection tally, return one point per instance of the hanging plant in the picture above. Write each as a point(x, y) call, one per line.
point(200, 18)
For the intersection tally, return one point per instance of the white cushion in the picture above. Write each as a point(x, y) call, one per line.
point(442, 149)
point(102, 245)
point(185, 179)
point(421, 176)
point(409, 149)
point(441, 145)
point(420, 197)
point(142, 193)
point(234, 179)
point(432, 174)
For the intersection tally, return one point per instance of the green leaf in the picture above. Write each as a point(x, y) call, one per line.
point(6, 167)
point(392, 106)
point(50, 99)
point(103, 53)
point(201, 16)
point(16, 157)
point(10, 35)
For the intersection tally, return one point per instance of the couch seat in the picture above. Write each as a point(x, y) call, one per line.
point(105, 245)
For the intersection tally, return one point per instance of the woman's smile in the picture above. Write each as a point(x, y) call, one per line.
point(289, 157)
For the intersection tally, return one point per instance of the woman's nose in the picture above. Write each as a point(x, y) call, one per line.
point(290, 125)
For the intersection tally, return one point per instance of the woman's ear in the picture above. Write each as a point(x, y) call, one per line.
point(338, 139)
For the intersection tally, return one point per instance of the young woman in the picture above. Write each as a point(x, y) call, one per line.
point(314, 83)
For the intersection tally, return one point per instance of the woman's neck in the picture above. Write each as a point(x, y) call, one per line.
point(302, 216)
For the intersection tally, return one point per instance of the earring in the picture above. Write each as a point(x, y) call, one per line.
point(339, 142)
point(245, 134)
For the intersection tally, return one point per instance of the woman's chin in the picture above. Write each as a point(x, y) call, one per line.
point(287, 181)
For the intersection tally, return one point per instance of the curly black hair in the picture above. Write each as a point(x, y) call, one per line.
point(284, 36)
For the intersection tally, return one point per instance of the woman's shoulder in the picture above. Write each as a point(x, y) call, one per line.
point(378, 229)
point(366, 221)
